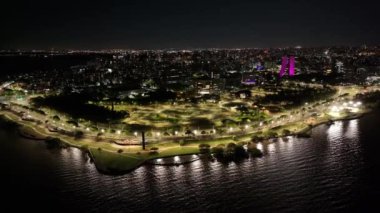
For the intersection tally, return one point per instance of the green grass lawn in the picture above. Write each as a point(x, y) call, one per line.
point(110, 162)
point(177, 150)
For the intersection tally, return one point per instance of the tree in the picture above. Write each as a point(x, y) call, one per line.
point(78, 134)
point(286, 132)
point(204, 148)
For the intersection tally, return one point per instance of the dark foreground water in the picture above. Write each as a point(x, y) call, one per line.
point(338, 169)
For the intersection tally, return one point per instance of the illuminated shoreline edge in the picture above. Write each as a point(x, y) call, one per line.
point(132, 163)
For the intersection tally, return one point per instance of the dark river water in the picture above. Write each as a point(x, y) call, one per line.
point(338, 169)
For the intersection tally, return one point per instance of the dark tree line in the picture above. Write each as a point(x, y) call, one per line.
point(77, 106)
point(298, 97)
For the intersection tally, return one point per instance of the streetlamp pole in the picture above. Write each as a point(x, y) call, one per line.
point(143, 140)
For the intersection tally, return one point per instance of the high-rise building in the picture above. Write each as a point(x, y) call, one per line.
point(287, 63)
point(339, 67)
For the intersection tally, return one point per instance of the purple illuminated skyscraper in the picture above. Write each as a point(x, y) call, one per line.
point(287, 62)
point(291, 65)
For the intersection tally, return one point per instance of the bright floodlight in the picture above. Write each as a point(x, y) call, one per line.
point(335, 109)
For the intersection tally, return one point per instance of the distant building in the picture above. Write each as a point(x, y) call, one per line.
point(339, 67)
point(207, 86)
point(287, 63)
point(243, 94)
point(248, 79)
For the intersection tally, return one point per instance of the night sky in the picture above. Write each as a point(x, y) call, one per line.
point(153, 24)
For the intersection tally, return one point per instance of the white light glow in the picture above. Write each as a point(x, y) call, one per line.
point(259, 146)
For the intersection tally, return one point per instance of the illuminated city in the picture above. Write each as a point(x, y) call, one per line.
point(104, 111)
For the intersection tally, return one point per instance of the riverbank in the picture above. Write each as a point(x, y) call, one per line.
point(114, 159)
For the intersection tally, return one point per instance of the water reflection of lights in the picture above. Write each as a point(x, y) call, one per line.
point(73, 155)
point(176, 159)
point(335, 131)
point(271, 147)
point(259, 146)
point(352, 129)
point(76, 153)
point(160, 171)
point(287, 143)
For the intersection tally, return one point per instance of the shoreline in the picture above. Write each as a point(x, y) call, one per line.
point(107, 161)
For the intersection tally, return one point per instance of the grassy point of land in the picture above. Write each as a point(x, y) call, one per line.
point(111, 162)
point(167, 118)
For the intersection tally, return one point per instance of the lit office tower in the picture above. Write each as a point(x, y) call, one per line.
point(291, 65)
point(284, 64)
point(287, 63)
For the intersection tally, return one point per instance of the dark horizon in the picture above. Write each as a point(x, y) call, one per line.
point(182, 49)
point(168, 24)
